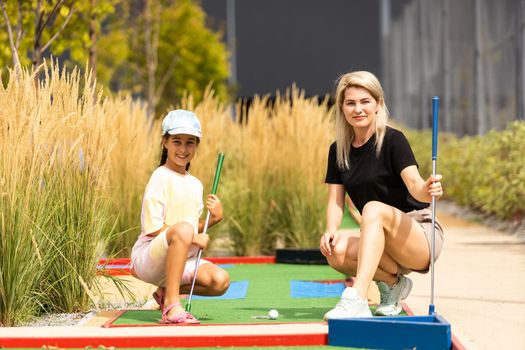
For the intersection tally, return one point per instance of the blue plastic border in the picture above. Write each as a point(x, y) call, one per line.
point(400, 332)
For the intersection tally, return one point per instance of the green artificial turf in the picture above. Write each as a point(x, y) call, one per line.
point(269, 288)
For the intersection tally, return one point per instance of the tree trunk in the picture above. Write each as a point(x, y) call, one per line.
point(37, 54)
point(12, 45)
point(150, 47)
point(93, 40)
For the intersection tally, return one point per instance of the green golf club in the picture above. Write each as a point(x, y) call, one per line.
point(216, 178)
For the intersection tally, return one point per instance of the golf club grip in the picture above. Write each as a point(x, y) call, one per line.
point(217, 176)
point(435, 125)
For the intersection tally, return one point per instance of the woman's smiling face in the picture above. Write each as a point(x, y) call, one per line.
point(359, 107)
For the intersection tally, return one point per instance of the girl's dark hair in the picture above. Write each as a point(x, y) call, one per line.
point(164, 152)
point(163, 155)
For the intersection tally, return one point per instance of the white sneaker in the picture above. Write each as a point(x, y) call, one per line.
point(350, 305)
point(391, 296)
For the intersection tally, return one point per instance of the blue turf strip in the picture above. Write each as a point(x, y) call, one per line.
point(226, 266)
point(315, 289)
point(237, 290)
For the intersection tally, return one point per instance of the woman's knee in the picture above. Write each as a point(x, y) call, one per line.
point(180, 232)
point(339, 253)
point(373, 210)
point(344, 254)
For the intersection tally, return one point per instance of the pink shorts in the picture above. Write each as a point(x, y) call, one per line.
point(148, 261)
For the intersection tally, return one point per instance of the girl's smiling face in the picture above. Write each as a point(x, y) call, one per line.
point(181, 150)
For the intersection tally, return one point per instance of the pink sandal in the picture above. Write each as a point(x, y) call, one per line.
point(180, 318)
point(159, 297)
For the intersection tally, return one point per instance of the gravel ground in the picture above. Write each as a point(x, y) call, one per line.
point(55, 320)
point(75, 319)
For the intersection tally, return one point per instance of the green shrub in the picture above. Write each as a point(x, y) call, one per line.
point(486, 172)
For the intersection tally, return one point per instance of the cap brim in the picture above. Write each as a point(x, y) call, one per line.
point(185, 131)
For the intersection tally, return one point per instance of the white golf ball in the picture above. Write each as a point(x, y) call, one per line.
point(273, 314)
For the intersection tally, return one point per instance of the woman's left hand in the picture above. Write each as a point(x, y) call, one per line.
point(214, 206)
point(433, 185)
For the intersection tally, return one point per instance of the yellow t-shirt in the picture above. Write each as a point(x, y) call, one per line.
point(170, 198)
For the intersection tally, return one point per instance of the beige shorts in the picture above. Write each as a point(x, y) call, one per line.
point(148, 261)
point(424, 218)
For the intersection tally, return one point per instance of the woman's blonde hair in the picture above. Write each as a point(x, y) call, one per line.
point(343, 130)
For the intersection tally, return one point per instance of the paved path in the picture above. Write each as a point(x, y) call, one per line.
point(479, 286)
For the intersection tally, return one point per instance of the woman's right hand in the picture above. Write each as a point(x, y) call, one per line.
point(201, 240)
point(328, 241)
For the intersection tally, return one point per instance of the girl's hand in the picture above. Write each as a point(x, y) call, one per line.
point(201, 240)
point(433, 186)
point(214, 206)
point(328, 241)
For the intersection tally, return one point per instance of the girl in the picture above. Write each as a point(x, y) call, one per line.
point(375, 165)
point(165, 252)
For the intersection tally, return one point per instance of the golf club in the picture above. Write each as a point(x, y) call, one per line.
point(216, 178)
point(435, 112)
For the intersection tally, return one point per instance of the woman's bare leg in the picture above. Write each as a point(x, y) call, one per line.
point(387, 229)
point(345, 256)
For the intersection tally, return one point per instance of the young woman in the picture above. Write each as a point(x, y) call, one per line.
point(375, 165)
point(165, 252)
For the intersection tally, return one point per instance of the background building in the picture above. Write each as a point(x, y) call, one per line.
point(468, 52)
point(310, 43)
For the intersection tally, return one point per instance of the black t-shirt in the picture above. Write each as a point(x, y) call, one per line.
point(376, 179)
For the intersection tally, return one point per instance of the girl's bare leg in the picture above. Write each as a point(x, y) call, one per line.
point(211, 281)
point(179, 237)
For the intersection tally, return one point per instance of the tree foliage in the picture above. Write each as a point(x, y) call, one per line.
point(59, 28)
point(200, 54)
point(174, 42)
point(154, 50)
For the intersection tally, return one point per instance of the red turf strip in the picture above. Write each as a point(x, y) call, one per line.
point(167, 341)
point(108, 270)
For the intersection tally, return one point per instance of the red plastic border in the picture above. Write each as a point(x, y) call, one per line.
point(169, 341)
point(119, 271)
point(265, 259)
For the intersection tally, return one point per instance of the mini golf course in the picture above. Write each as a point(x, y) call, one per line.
point(302, 293)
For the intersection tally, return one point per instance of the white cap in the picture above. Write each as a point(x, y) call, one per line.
point(181, 121)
